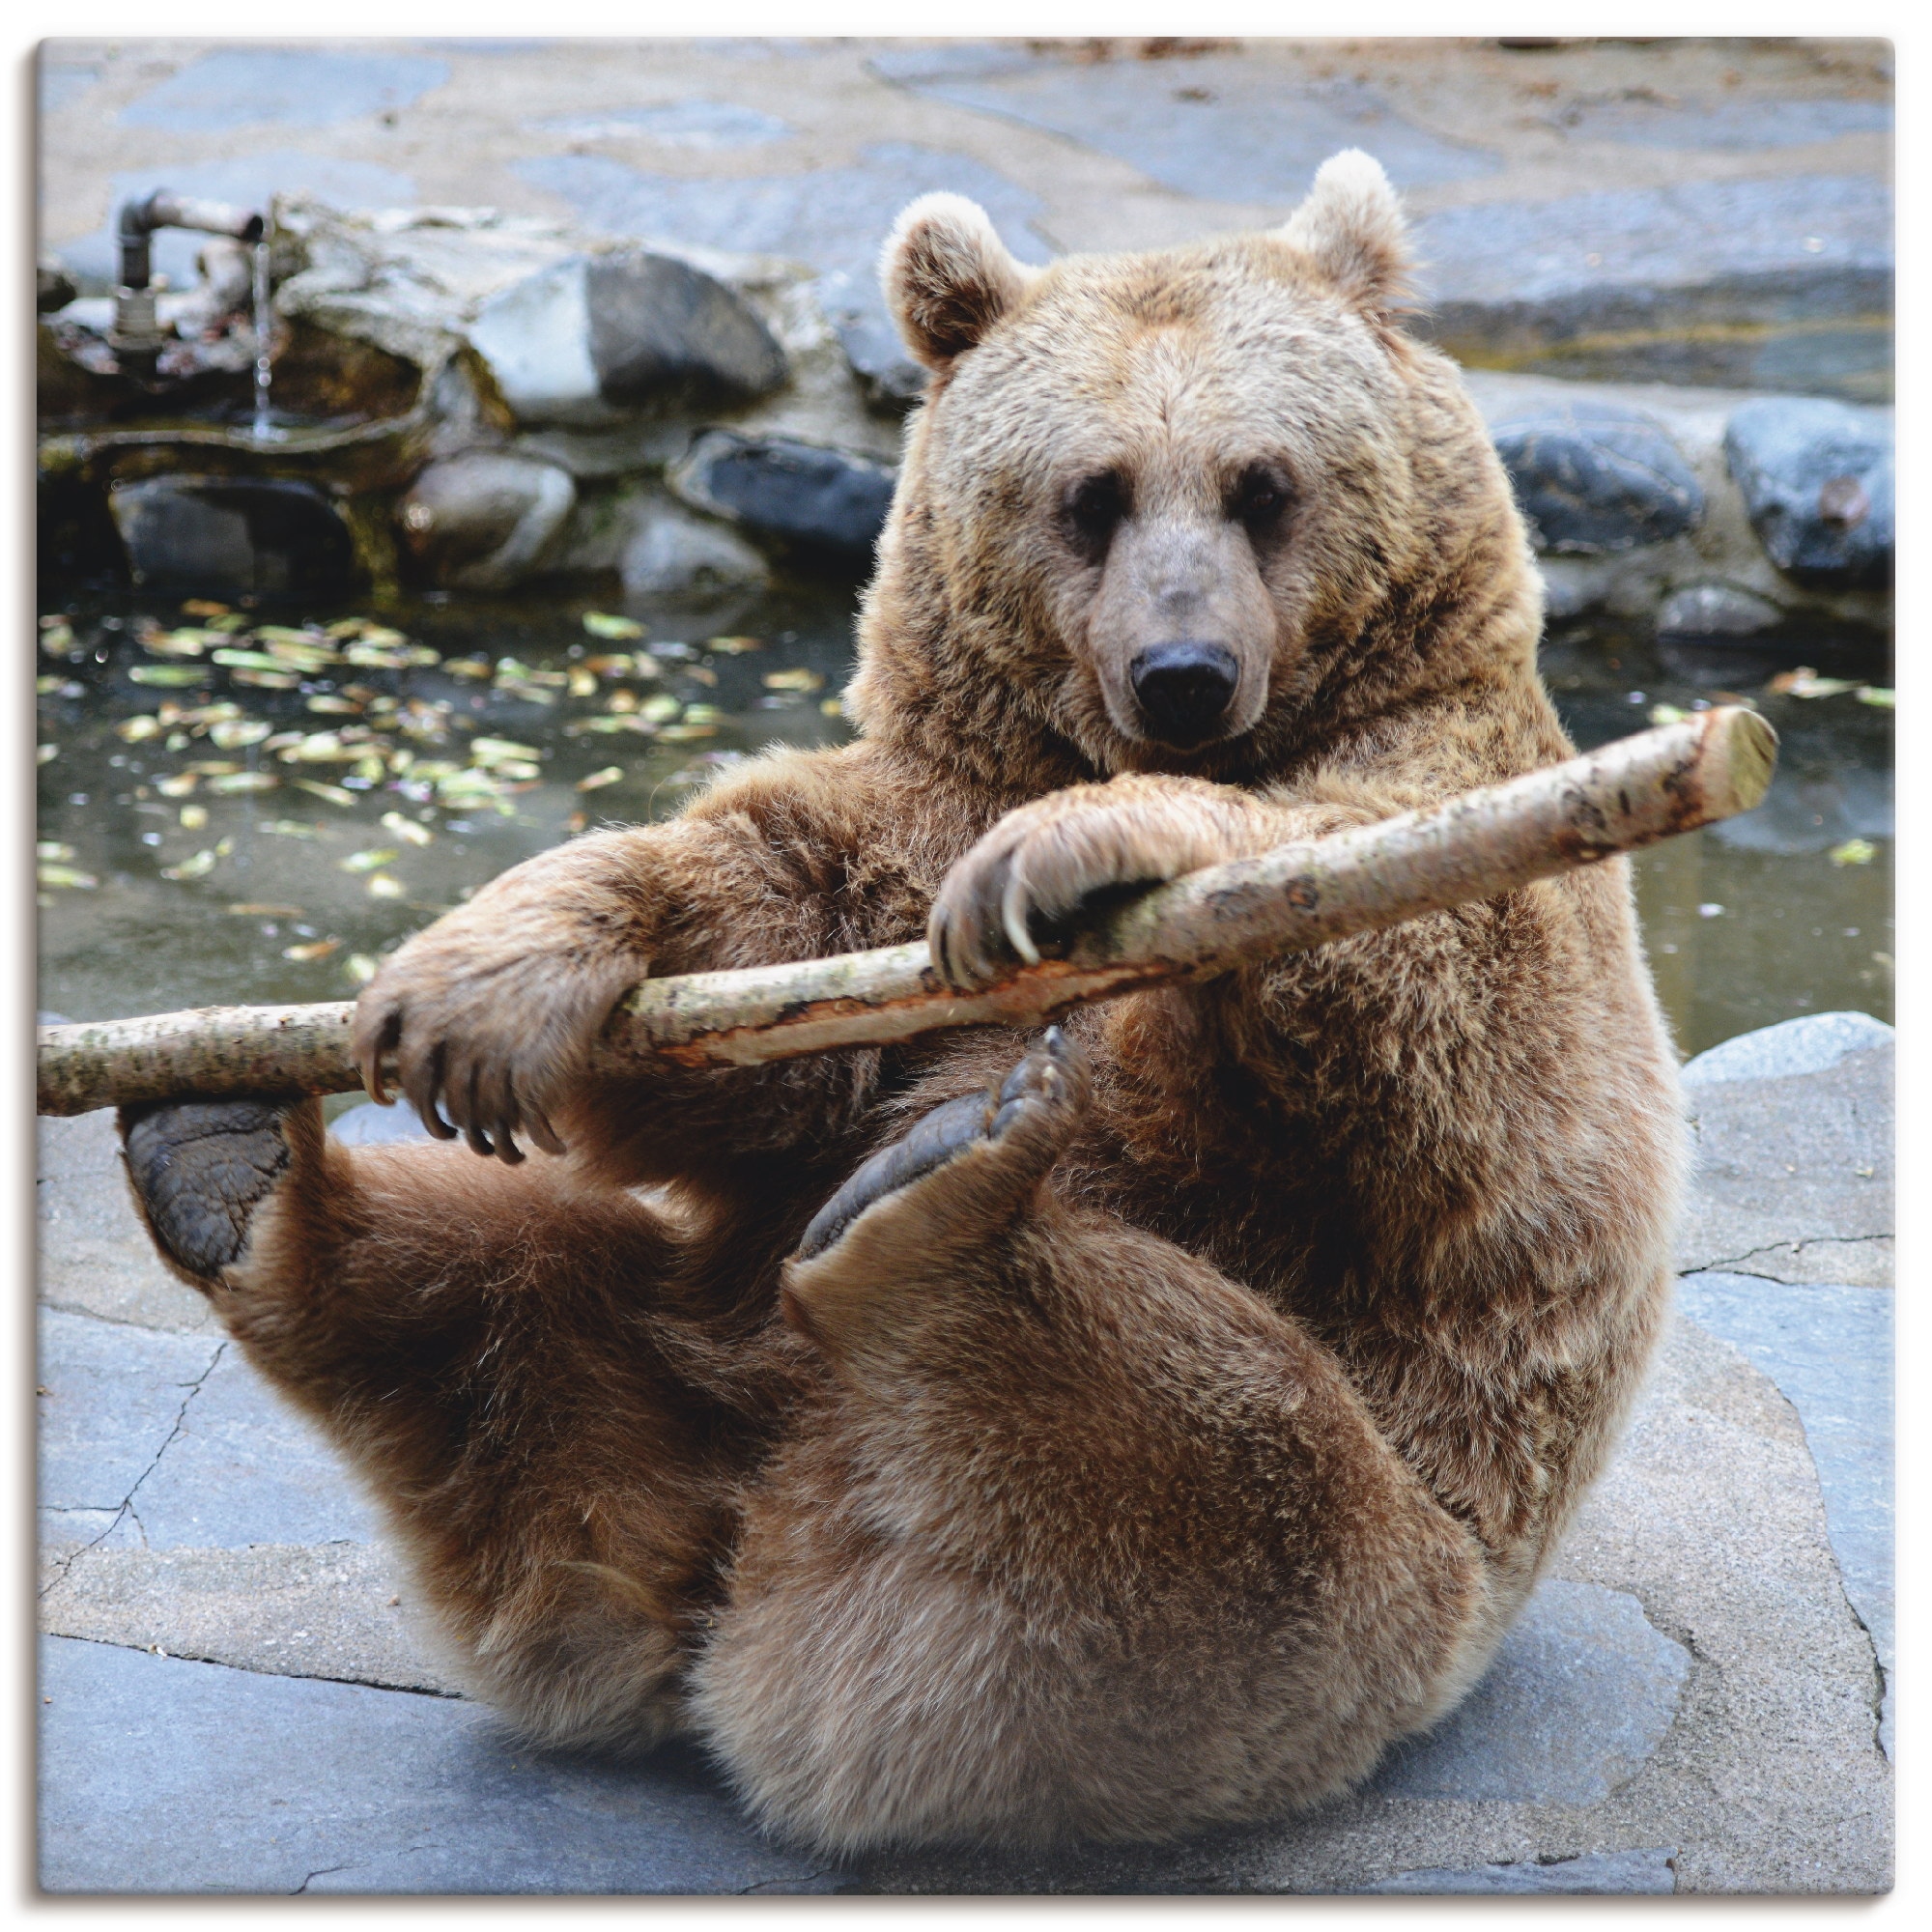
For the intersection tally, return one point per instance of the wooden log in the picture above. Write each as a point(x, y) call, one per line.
point(1617, 799)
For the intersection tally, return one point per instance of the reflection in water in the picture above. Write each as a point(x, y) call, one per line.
point(264, 815)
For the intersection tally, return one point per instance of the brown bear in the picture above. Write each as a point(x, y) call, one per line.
point(1107, 1433)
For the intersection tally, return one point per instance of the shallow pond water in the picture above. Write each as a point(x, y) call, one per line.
point(238, 809)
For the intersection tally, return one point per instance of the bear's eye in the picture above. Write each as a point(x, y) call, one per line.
point(1093, 511)
point(1260, 497)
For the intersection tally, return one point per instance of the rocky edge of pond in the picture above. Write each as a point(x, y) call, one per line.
point(687, 420)
point(1697, 1699)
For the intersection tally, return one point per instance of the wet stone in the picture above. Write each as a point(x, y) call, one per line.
point(1625, 284)
point(246, 536)
point(673, 553)
point(483, 520)
point(1818, 484)
point(587, 338)
point(1601, 1873)
point(892, 380)
point(1580, 1695)
point(340, 1787)
point(798, 491)
point(1715, 612)
point(1594, 478)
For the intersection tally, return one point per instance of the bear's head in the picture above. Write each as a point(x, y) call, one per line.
point(1192, 511)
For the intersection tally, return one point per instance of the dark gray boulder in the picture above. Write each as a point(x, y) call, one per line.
point(1817, 481)
point(234, 536)
point(1594, 478)
point(587, 339)
point(824, 499)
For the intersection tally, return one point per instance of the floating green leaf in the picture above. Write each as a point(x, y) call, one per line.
point(1853, 852)
point(602, 624)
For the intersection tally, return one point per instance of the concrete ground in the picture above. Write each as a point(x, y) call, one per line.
point(1712, 211)
point(1698, 1699)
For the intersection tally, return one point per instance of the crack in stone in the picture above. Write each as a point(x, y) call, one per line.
point(1735, 1264)
point(125, 1507)
point(811, 1878)
point(257, 1670)
point(321, 1872)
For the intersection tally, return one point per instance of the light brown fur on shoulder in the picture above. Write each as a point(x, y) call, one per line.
point(1112, 1435)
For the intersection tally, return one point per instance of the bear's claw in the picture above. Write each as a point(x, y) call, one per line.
point(201, 1167)
point(1039, 1101)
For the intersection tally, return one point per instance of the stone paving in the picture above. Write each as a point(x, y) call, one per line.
point(1692, 1702)
point(1692, 210)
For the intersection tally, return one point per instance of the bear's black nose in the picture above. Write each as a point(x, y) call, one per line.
point(1184, 689)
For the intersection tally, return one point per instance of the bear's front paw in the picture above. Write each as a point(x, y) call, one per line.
point(200, 1169)
point(1048, 859)
point(482, 1038)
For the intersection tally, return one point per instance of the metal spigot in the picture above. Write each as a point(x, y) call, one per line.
point(135, 335)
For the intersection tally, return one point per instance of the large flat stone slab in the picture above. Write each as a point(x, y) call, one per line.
point(200, 1449)
point(1580, 1695)
point(159, 1776)
point(333, 1609)
point(1612, 1872)
point(1219, 128)
point(1829, 1352)
point(1793, 1176)
point(96, 1257)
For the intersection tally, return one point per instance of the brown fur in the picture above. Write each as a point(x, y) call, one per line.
point(1156, 1462)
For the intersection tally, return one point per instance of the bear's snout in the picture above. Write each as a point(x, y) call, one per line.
point(1184, 691)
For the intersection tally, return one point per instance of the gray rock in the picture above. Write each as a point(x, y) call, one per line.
point(169, 1777)
point(483, 520)
point(1817, 481)
point(233, 535)
point(587, 338)
point(1217, 126)
point(1829, 1352)
point(1790, 1162)
point(1812, 1043)
point(826, 498)
point(1715, 612)
point(892, 380)
point(1626, 284)
point(673, 553)
point(1579, 1697)
point(1599, 1873)
point(1593, 478)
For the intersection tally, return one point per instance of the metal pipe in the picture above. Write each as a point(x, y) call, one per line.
point(135, 334)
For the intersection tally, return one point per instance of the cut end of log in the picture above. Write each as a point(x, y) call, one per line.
point(1739, 754)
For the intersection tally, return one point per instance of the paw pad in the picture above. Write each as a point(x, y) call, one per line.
point(201, 1167)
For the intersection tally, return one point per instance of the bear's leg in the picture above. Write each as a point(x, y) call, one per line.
point(1079, 1537)
point(506, 1358)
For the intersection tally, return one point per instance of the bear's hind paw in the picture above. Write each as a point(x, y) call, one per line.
point(200, 1169)
point(976, 1154)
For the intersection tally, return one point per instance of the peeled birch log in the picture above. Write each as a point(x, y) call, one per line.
point(1483, 843)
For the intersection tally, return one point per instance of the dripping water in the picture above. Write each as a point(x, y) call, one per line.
point(264, 430)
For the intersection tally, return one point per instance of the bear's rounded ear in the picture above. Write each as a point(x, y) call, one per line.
point(948, 276)
point(1352, 228)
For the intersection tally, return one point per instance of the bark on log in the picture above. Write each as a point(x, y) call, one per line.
point(1479, 845)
